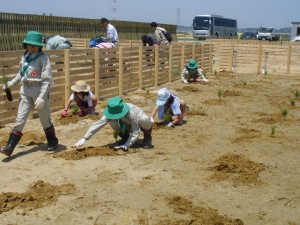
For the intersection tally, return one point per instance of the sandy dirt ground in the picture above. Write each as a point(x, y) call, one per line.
point(235, 161)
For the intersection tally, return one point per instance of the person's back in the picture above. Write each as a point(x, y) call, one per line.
point(58, 42)
point(111, 32)
point(149, 39)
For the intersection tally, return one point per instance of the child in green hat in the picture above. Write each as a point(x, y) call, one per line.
point(191, 72)
point(127, 120)
point(36, 75)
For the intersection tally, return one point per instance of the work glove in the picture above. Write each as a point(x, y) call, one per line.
point(122, 147)
point(170, 124)
point(205, 80)
point(185, 81)
point(7, 85)
point(39, 103)
point(80, 142)
point(64, 113)
point(152, 120)
point(81, 113)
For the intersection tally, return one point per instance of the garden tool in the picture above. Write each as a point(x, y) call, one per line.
point(234, 61)
point(264, 69)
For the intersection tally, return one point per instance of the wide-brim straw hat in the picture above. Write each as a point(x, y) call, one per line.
point(116, 108)
point(80, 86)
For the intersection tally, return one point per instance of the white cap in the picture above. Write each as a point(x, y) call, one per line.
point(162, 96)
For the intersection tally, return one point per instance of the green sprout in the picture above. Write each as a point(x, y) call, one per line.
point(297, 94)
point(245, 83)
point(273, 130)
point(284, 112)
point(148, 91)
point(293, 102)
point(75, 109)
point(219, 94)
point(116, 134)
point(167, 116)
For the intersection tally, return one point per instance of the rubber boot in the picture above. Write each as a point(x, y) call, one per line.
point(13, 140)
point(123, 140)
point(51, 138)
point(147, 141)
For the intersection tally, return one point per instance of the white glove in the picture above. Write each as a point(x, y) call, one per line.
point(185, 81)
point(170, 124)
point(205, 80)
point(152, 120)
point(123, 147)
point(80, 142)
point(39, 103)
point(7, 85)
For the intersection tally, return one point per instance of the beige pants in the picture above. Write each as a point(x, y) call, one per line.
point(28, 95)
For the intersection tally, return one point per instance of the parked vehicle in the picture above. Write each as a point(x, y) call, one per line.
point(296, 39)
point(267, 33)
point(216, 26)
point(249, 35)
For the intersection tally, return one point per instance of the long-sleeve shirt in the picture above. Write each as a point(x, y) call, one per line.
point(112, 33)
point(133, 120)
point(185, 71)
point(57, 42)
point(160, 37)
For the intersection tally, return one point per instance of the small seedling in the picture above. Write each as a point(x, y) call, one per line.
point(75, 109)
point(115, 134)
point(284, 112)
point(297, 94)
point(219, 94)
point(273, 130)
point(293, 102)
point(215, 72)
point(148, 91)
point(245, 83)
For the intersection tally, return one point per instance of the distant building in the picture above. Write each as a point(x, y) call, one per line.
point(295, 29)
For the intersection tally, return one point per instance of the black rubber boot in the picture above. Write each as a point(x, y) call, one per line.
point(51, 138)
point(123, 140)
point(13, 140)
point(147, 142)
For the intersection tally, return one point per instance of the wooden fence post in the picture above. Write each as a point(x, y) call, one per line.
point(140, 67)
point(156, 65)
point(97, 72)
point(193, 51)
point(170, 62)
point(288, 63)
point(67, 75)
point(210, 57)
point(120, 70)
point(182, 56)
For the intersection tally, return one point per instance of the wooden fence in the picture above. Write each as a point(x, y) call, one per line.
point(109, 72)
point(118, 71)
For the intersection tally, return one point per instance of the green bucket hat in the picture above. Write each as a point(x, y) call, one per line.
point(116, 108)
point(34, 38)
point(192, 64)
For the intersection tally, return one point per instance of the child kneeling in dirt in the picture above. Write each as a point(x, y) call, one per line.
point(127, 120)
point(168, 105)
point(84, 98)
point(191, 72)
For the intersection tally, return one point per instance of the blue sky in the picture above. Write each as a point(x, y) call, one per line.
point(251, 13)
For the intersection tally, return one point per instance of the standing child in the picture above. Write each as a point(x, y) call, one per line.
point(84, 99)
point(191, 72)
point(36, 76)
point(170, 105)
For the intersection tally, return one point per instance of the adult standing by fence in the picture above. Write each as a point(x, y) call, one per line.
point(111, 32)
point(159, 35)
point(36, 75)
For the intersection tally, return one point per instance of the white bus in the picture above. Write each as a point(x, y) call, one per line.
point(208, 26)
